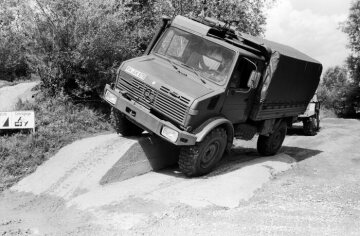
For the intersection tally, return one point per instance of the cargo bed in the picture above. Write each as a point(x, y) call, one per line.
point(291, 80)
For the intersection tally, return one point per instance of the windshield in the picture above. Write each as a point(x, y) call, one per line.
point(212, 61)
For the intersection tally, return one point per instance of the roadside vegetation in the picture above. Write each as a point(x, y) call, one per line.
point(340, 86)
point(59, 121)
point(76, 46)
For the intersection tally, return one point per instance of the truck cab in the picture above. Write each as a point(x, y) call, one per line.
point(199, 85)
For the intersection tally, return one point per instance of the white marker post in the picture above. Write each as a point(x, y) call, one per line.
point(17, 120)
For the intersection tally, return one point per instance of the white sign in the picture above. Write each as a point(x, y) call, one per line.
point(17, 120)
point(135, 73)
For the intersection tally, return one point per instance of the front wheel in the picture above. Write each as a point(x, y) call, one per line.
point(201, 158)
point(123, 126)
point(270, 145)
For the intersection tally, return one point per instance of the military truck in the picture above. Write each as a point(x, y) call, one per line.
point(200, 84)
point(311, 117)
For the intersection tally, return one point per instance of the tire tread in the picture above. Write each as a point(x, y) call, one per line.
point(264, 144)
point(189, 155)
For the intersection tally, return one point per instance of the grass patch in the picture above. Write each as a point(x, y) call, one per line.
point(59, 122)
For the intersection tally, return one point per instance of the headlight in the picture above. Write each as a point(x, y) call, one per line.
point(170, 134)
point(110, 97)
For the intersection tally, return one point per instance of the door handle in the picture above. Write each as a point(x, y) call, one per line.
point(236, 91)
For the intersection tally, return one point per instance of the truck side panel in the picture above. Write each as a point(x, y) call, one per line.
point(290, 83)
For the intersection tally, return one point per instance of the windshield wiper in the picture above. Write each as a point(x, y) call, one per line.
point(191, 68)
point(194, 71)
point(173, 64)
point(170, 61)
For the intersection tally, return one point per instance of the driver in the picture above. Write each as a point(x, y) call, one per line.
point(220, 57)
point(196, 58)
point(219, 64)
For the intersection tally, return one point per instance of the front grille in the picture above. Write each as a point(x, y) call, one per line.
point(175, 108)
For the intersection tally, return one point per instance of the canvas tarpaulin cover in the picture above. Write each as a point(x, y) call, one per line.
point(290, 82)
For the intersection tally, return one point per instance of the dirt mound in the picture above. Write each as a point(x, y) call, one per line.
point(10, 95)
point(87, 164)
point(81, 191)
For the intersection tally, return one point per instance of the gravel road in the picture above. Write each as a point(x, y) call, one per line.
point(310, 188)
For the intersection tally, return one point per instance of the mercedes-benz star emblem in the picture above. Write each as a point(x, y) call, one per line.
point(149, 96)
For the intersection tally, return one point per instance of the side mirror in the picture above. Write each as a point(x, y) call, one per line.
point(254, 79)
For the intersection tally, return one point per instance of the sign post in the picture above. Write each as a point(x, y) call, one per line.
point(17, 120)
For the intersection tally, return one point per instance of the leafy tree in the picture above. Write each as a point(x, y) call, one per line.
point(80, 44)
point(333, 85)
point(13, 42)
point(335, 78)
point(337, 91)
point(353, 64)
point(352, 29)
point(247, 15)
point(76, 46)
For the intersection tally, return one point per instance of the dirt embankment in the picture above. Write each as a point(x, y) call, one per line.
point(310, 188)
point(10, 95)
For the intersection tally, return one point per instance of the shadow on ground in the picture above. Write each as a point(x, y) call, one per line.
point(297, 131)
point(151, 153)
point(243, 157)
point(300, 154)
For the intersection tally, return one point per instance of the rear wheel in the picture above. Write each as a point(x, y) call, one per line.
point(123, 126)
point(270, 145)
point(310, 126)
point(201, 158)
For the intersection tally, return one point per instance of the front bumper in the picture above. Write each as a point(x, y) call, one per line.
point(142, 117)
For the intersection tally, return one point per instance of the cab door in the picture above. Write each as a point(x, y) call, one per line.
point(239, 95)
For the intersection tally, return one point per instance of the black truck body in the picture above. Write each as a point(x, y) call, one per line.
point(293, 78)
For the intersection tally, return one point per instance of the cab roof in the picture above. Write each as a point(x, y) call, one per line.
point(256, 45)
point(281, 48)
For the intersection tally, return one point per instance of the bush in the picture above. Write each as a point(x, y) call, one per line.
point(13, 50)
point(80, 44)
point(76, 46)
point(338, 92)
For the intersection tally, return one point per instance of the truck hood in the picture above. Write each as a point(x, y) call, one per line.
point(159, 73)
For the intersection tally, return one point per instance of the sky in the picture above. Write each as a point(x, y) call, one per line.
point(311, 26)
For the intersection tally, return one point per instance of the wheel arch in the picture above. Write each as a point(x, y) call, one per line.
point(203, 130)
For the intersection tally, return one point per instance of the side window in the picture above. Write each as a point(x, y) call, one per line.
point(242, 73)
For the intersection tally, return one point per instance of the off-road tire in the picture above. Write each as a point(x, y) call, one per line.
point(123, 126)
point(201, 158)
point(270, 145)
point(310, 126)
